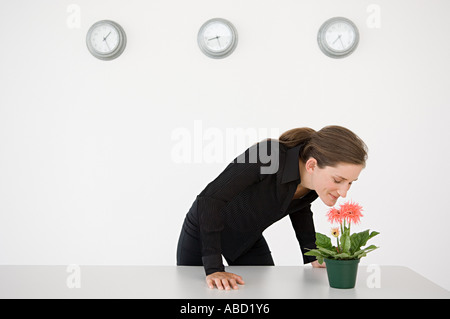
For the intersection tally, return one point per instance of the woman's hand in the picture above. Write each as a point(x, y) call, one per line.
point(224, 280)
point(316, 264)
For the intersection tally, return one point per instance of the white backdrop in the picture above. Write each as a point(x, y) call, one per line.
point(88, 166)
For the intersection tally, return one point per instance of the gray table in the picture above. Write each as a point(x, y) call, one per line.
point(285, 282)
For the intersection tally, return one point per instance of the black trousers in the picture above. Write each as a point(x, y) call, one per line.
point(189, 253)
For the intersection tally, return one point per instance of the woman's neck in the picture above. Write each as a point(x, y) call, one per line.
point(305, 182)
point(300, 192)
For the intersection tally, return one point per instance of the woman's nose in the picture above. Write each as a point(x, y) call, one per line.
point(343, 192)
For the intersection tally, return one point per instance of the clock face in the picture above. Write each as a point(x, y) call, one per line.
point(217, 38)
point(106, 40)
point(338, 37)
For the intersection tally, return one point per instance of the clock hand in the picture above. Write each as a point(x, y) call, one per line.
point(343, 47)
point(109, 49)
point(216, 37)
point(104, 39)
point(337, 39)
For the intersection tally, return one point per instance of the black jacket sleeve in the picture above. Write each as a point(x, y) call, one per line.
point(237, 176)
point(303, 224)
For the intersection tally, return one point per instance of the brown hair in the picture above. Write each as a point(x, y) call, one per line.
point(330, 146)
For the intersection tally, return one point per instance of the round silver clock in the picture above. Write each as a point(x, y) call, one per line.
point(106, 40)
point(338, 37)
point(217, 38)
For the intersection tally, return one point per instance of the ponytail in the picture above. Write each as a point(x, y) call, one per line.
point(330, 146)
point(296, 136)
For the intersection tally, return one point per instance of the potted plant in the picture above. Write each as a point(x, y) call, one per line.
point(342, 260)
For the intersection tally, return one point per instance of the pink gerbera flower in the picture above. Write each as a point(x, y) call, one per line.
point(335, 215)
point(351, 212)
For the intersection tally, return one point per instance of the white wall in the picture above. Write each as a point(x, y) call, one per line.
point(87, 174)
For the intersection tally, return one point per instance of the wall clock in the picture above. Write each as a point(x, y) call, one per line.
point(217, 38)
point(106, 40)
point(338, 37)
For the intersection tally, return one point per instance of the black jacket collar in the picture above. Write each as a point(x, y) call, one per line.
point(291, 170)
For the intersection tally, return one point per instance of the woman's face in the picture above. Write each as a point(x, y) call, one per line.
point(330, 183)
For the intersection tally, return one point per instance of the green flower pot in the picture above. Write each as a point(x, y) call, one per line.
point(342, 273)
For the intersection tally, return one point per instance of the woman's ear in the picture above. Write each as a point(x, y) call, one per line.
point(310, 165)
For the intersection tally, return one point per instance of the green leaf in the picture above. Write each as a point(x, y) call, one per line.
point(320, 259)
point(323, 241)
point(358, 240)
point(363, 252)
point(370, 248)
point(342, 256)
point(316, 253)
point(312, 252)
point(345, 242)
point(326, 252)
point(373, 234)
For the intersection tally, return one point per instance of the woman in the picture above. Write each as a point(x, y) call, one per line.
point(229, 216)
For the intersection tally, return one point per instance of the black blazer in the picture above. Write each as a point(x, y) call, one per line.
point(231, 213)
